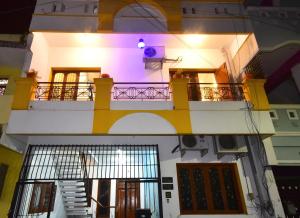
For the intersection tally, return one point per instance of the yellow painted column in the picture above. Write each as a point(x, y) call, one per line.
point(255, 93)
point(103, 93)
point(14, 162)
point(24, 93)
point(102, 115)
point(180, 93)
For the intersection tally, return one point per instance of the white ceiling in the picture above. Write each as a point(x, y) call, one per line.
point(204, 41)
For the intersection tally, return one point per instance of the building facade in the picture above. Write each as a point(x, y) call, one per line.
point(142, 109)
point(279, 61)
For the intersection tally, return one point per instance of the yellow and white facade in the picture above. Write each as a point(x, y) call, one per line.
point(210, 40)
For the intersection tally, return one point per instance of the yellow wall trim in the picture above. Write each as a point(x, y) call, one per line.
point(14, 162)
point(255, 93)
point(24, 93)
point(104, 119)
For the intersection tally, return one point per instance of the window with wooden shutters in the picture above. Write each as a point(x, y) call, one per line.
point(209, 189)
point(42, 197)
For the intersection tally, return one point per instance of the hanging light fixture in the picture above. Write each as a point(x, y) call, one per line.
point(141, 43)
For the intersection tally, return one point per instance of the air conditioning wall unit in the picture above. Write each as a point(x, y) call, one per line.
point(154, 53)
point(230, 144)
point(195, 143)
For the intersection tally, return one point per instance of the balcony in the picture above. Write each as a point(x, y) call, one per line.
point(105, 107)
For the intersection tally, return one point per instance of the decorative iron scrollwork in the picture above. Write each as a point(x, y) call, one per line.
point(65, 91)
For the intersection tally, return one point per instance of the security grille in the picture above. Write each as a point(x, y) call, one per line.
point(121, 165)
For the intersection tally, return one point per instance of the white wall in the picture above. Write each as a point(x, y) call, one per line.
point(40, 56)
point(77, 118)
point(126, 64)
point(228, 118)
point(12, 57)
point(124, 61)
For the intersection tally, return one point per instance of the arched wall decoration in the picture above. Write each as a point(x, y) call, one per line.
point(131, 18)
point(169, 11)
point(142, 123)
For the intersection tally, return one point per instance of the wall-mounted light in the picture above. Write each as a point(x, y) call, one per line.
point(141, 43)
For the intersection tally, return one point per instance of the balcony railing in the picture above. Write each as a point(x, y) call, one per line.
point(59, 91)
point(215, 92)
point(141, 91)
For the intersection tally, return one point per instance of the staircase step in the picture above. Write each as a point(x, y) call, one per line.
point(72, 189)
point(76, 209)
point(75, 200)
point(83, 203)
point(71, 182)
point(76, 213)
point(74, 194)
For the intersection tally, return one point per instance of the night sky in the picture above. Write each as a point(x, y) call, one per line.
point(15, 15)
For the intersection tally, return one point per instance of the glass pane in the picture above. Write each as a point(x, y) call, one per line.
point(57, 87)
point(230, 191)
point(37, 196)
point(185, 189)
point(200, 189)
point(71, 77)
point(216, 188)
point(70, 89)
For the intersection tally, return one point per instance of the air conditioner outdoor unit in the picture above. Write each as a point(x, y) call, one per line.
point(230, 144)
point(194, 143)
point(154, 53)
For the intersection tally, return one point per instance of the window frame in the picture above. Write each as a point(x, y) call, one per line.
point(45, 187)
point(3, 86)
point(275, 117)
point(209, 198)
point(295, 113)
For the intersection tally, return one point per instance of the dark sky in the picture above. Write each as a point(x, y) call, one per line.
point(15, 15)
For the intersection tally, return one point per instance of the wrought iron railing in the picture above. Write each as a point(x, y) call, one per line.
point(215, 92)
point(59, 91)
point(125, 91)
point(141, 91)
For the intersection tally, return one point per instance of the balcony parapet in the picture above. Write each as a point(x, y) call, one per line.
point(255, 93)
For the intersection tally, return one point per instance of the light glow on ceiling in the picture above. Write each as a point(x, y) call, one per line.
point(194, 40)
point(87, 39)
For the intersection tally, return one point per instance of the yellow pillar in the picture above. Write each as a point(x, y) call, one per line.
point(255, 93)
point(103, 93)
point(13, 160)
point(24, 93)
point(180, 93)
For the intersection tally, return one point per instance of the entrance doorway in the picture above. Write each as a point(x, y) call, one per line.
point(127, 199)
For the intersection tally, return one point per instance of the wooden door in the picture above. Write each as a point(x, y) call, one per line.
point(225, 91)
point(127, 199)
point(221, 74)
point(64, 86)
point(193, 88)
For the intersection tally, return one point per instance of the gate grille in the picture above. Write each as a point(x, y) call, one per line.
point(102, 161)
point(62, 163)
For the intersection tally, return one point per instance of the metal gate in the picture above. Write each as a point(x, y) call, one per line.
point(70, 168)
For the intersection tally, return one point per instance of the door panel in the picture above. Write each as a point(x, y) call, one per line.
point(104, 198)
point(127, 199)
point(60, 89)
